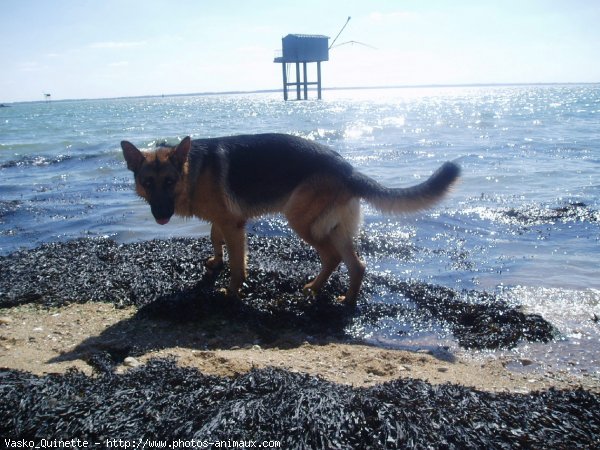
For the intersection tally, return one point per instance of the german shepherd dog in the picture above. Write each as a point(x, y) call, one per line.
point(228, 180)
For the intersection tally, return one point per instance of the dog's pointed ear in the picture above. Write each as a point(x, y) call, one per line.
point(182, 150)
point(132, 155)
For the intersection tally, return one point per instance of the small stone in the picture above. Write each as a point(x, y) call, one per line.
point(521, 390)
point(5, 320)
point(256, 347)
point(130, 361)
point(442, 369)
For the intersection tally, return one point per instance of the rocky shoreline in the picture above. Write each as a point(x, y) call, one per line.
point(158, 352)
point(168, 279)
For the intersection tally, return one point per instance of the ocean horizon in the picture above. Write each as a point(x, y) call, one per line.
point(312, 89)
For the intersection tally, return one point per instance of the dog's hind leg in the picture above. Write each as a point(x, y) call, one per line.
point(342, 240)
point(215, 262)
point(339, 226)
point(306, 205)
point(327, 217)
point(330, 260)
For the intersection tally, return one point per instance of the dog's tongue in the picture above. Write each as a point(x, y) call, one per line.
point(162, 221)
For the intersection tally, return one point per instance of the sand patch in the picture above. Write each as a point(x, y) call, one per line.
point(52, 340)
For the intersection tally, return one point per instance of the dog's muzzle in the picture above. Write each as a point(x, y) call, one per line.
point(162, 215)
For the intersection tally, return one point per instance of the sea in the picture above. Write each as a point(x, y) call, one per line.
point(523, 223)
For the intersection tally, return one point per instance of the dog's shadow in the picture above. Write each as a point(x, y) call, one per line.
point(203, 318)
point(272, 313)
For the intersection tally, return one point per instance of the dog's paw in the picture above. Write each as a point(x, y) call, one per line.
point(214, 263)
point(346, 301)
point(309, 291)
point(230, 294)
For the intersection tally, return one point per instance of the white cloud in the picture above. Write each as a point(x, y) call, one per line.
point(119, 64)
point(29, 66)
point(377, 16)
point(117, 45)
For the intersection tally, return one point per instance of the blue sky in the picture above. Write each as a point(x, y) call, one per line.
point(109, 48)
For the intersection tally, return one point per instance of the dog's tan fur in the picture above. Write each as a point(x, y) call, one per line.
point(323, 208)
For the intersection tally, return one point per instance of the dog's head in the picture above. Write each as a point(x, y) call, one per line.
point(158, 175)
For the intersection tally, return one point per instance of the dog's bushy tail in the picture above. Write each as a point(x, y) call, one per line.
point(404, 200)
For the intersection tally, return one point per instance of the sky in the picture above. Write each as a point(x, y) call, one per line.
point(117, 48)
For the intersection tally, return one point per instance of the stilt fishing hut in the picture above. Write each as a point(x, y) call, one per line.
point(302, 49)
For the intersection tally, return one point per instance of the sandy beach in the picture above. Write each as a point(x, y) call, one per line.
point(53, 340)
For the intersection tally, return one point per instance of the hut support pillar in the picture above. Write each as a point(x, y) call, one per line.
point(285, 82)
point(298, 81)
point(319, 80)
point(301, 82)
point(305, 82)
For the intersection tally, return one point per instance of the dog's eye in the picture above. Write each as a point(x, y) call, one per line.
point(169, 182)
point(147, 183)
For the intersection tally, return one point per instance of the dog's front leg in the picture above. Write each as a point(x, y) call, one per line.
point(215, 262)
point(235, 239)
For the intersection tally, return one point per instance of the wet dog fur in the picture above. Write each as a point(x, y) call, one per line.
point(226, 181)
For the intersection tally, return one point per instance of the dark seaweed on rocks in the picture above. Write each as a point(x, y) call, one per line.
point(479, 320)
point(163, 402)
point(570, 212)
point(85, 270)
point(168, 281)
